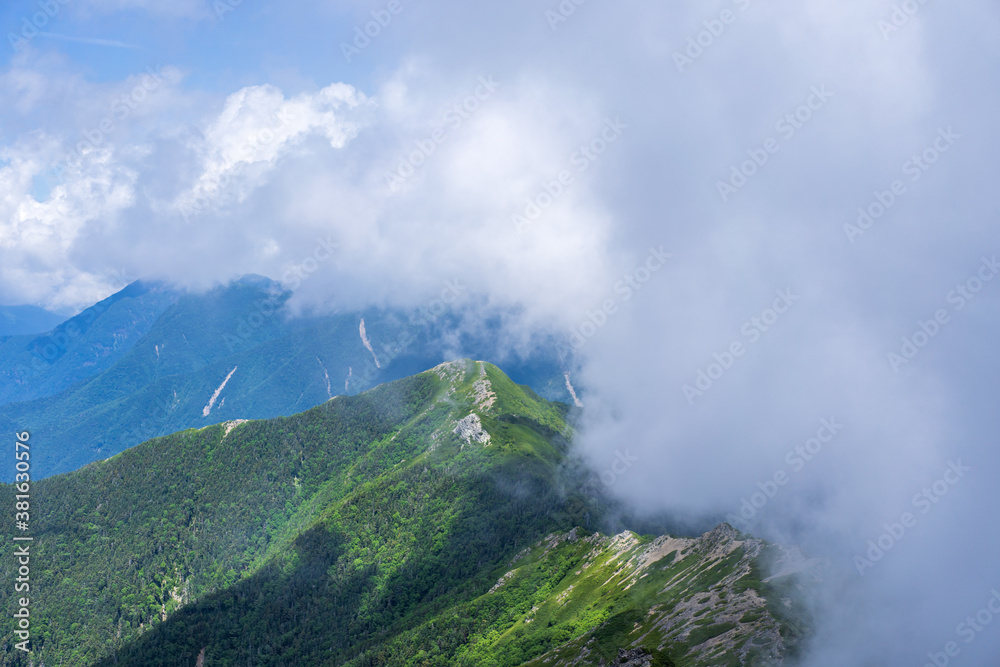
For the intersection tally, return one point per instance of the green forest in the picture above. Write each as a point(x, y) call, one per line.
point(369, 531)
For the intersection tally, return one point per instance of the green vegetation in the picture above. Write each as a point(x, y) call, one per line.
point(362, 532)
point(704, 633)
point(145, 363)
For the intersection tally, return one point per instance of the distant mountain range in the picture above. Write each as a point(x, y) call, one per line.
point(40, 365)
point(439, 519)
point(151, 360)
point(24, 320)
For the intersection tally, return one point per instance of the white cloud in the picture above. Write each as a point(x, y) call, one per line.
point(321, 179)
point(256, 126)
point(96, 41)
point(38, 237)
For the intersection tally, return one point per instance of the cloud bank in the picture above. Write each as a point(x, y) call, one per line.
point(766, 229)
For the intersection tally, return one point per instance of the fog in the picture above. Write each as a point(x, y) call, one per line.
point(768, 231)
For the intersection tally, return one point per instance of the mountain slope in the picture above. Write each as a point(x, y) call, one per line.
point(372, 529)
point(232, 353)
point(85, 345)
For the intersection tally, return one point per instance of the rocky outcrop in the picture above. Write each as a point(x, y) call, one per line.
point(367, 342)
point(709, 600)
point(484, 396)
point(635, 657)
point(470, 429)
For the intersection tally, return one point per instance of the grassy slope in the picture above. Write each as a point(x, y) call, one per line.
point(129, 378)
point(126, 540)
point(363, 532)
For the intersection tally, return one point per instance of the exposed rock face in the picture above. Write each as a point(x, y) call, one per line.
point(233, 424)
point(636, 657)
point(484, 390)
point(367, 342)
point(211, 402)
point(713, 613)
point(470, 429)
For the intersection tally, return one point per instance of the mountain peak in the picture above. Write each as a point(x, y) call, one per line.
point(257, 280)
point(486, 400)
point(390, 518)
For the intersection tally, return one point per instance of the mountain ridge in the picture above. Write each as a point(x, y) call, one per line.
point(366, 530)
point(150, 358)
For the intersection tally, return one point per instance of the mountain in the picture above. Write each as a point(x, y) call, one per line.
point(150, 361)
point(38, 365)
point(439, 519)
point(24, 320)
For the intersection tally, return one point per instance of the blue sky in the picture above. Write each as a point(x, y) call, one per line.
point(219, 49)
point(540, 152)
